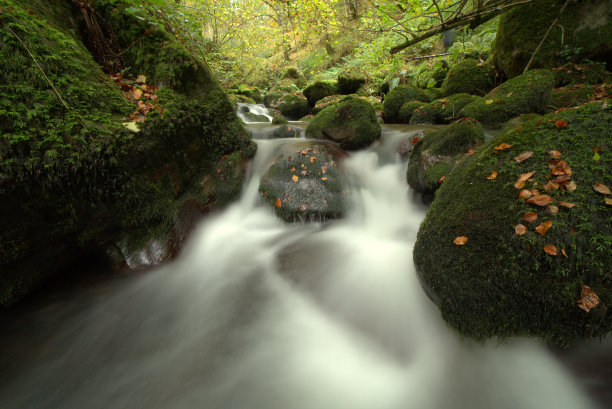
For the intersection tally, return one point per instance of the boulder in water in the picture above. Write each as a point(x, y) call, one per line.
point(292, 106)
point(319, 90)
point(286, 131)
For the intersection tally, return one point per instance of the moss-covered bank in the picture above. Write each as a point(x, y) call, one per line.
point(499, 284)
point(72, 177)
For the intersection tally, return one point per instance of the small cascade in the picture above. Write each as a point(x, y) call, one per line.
point(253, 113)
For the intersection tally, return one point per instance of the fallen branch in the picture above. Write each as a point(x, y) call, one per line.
point(423, 57)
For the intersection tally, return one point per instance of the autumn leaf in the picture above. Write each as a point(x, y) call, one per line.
point(132, 126)
point(551, 210)
point(588, 299)
point(520, 229)
point(279, 203)
point(520, 183)
point(564, 253)
point(295, 178)
point(567, 205)
point(324, 178)
point(550, 186)
point(471, 152)
point(525, 194)
point(323, 169)
point(542, 228)
point(415, 140)
point(530, 217)
point(540, 200)
point(292, 168)
point(601, 188)
point(442, 178)
point(559, 168)
point(560, 123)
point(312, 159)
point(609, 201)
point(493, 175)
point(550, 250)
point(554, 154)
point(502, 146)
point(523, 156)
point(141, 79)
point(460, 241)
point(571, 186)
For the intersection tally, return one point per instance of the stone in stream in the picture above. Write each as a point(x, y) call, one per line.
point(304, 182)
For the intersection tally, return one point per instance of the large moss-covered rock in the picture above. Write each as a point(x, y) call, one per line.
point(251, 92)
point(567, 97)
point(432, 76)
point(582, 32)
point(579, 74)
point(73, 179)
point(527, 93)
point(436, 154)
point(292, 106)
point(351, 79)
point(397, 97)
point(351, 123)
point(500, 284)
point(294, 75)
point(469, 76)
point(407, 110)
point(441, 111)
point(319, 90)
point(305, 184)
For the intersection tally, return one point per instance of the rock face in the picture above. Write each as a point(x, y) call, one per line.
point(582, 32)
point(304, 183)
point(436, 154)
point(527, 93)
point(500, 284)
point(351, 123)
point(73, 180)
point(469, 76)
point(397, 97)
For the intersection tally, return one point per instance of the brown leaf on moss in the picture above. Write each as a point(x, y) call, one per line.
point(520, 183)
point(442, 178)
point(550, 186)
point(567, 205)
point(540, 200)
point(295, 178)
point(560, 123)
point(460, 241)
point(601, 188)
point(597, 149)
point(525, 194)
point(523, 156)
point(588, 299)
point(609, 201)
point(471, 152)
point(564, 253)
point(554, 154)
point(542, 228)
point(493, 175)
point(530, 217)
point(502, 146)
point(520, 229)
point(571, 186)
point(550, 250)
point(415, 140)
point(279, 203)
point(551, 210)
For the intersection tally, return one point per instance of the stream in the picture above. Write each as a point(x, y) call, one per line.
point(260, 314)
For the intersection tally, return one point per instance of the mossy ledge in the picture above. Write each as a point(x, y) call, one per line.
point(73, 179)
point(499, 284)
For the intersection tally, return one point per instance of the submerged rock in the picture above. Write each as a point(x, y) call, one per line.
point(305, 184)
point(499, 283)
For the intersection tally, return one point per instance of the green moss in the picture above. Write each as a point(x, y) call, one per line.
point(397, 97)
point(527, 93)
point(570, 97)
point(579, 74)
point(433, 93)
point(253, 93)
point(431, 76)
point(350, 80)
point(319, 90)
point(469, 76)
point(352, 123)
point(407, 110)
point(442, 110)
point(499, 284)
point(292, 106)
point(294, 75)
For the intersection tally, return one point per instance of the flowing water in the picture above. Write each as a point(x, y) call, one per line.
point(259, 314)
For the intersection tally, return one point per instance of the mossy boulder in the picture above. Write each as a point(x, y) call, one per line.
point(277, 117)
point(433, 93)
point(286, 131)
point(431, 77)
point(572, 96)
point(251, 92)
point(351, 123)
point(397, 97)
point(469, 76)
point(407, 110)
point(235, 99)
point(580, 74)
point(296, 76)
point(272, 97)
point(582, 32)
point(437, 154)
point(351, 79)
point(393, 80)
point(527, 93)
point(499, 284)
point(292, 106)
point(319, 90)
point(252, 117)
point(305, 184)
point(325, 102)
point(73, 179)
point(441, 111)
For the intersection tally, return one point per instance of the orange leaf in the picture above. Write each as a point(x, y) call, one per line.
point(597, 149)
point(442, 178)
point(295, 178)
point(520, 183)
point(523, 156)
point(540, 200)
point(502, 146)
point(588, 298)
point(520, 229)
point(560, 123)
point(460, 241)
point(530, 217)
point(609, 201)
point(564, 253)
point(601, 188)
point(555, 154)
point(551, 210)
point(542, 228)
point(550, 186)
point(567, 205)
point(292, 168)
point(493, 175)
point(415, 140)
point(324, 178)
point(323, 169)
point(279, 203)
point(525, 194)
point(471, 152)
point(550, 250)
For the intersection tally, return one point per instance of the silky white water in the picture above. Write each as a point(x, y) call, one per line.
point(257, 314)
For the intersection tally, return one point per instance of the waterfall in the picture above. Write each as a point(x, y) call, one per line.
point(260, 314)
point(255, 109)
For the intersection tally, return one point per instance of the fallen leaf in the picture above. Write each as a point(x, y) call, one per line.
point(551, 210)
point(601, 188)
point(132, 126)
point(596, 157)
point(323, 169)
point(559, 167)
point(292, 168)
point(550, 249)
point(520, 229)
point(540, 200)
point(460, 241)
point(502, 146)
point(554, 154)
point(510, 93)
point(530, 217)
point(525, 194)
point(415, 140)
point(567, 205)
point(550, 186)
point(141, 79)
point(312, 159)
point(560, 123)
point(609, 201)
point(324, 178)
point(295, 178)
point(471, 152)
point(564, 253)
point(488, 101)
point(279, 203)
point(492, 175)
point(588, 298)
point(442, 178)
point(543, 227)
point(523, 156)
point(597, 149)
point(520, 183)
